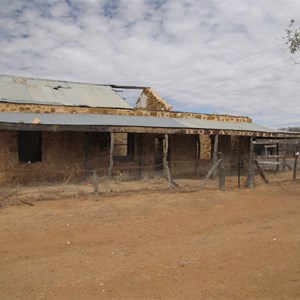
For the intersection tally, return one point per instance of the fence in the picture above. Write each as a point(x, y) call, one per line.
point(237, 172)
point(231, 172)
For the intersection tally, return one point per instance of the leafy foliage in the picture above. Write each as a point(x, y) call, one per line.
point(293, 37)
point(294, 129)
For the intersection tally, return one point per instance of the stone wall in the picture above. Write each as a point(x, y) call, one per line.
point(74, 155)
point(71, 155)
point(151, 100)
point(8, 155)
point(33, 108)
point(120, 144)
point(205, 146)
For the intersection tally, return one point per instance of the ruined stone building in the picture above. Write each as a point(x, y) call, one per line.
point(51, 128)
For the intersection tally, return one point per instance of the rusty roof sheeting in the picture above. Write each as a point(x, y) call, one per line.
point(15, 89)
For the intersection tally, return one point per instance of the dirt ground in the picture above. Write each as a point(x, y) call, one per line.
point(151, 243)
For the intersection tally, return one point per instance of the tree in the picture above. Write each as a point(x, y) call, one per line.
point(294, 129)
point(292, 37)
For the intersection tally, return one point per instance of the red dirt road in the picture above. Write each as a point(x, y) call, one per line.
point(194, 245)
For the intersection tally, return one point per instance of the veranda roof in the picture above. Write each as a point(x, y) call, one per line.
point(120, 123)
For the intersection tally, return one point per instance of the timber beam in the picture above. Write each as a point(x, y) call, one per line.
point(130, 129)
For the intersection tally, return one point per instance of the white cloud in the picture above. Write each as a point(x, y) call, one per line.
point(207, 56)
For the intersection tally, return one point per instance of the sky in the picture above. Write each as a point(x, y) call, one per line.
point(206, 56)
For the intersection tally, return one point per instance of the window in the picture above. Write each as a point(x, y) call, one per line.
point(123, 146)
point(30, 146)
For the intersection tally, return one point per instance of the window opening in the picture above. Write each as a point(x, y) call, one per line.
point(30, 146)
point(123, 146)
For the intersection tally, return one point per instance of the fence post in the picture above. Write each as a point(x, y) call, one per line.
point(209, 173)
point(284, 155)
point(172, 183)
point(250, 178)
point(95, 182)
point(261, 172)
point(295, 165)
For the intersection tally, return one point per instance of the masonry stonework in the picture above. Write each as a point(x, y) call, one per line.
point(73, 155)
point(33, 108)
point(151, 100)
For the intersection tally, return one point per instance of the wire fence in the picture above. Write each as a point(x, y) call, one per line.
point(131, 176)
point(144, 179)
point(190, 175)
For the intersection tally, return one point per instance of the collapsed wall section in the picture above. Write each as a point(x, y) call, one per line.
point(151, 100)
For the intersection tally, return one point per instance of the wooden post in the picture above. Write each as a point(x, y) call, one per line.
point(250, 179)
point(261, 172)
point(111, 156)
point(295, 166)
point(284, 155)
point(95, 182)
point(142, 157)
point(172, 183)
point(209, 173)
point(277, 154)
point(221, 168)
point(285, 164)
point(215, 154)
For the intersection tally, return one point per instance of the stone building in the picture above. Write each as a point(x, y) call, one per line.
point(50, 130)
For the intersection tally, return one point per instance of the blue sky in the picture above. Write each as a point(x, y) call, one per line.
point(211, 56)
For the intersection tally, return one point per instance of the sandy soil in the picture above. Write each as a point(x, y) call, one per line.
point(151, 244)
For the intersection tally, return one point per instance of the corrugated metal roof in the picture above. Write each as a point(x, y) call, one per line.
point(130, 121)
point(51, 92)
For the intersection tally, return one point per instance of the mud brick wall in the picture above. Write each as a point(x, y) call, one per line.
point(183, 154)
point(62, 154)
point(96, 152)
point(33, 108)
point(228, 145)
point(143, 158)
point(224, 146)
point(74, 155)
point(240, 144)
point(182, 147)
